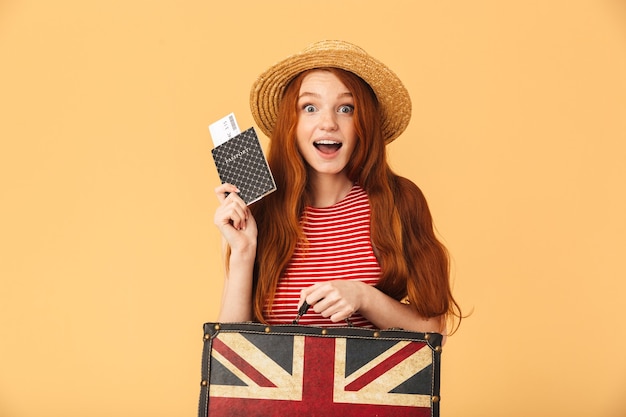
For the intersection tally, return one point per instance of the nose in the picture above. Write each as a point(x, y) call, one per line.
point(328, 120)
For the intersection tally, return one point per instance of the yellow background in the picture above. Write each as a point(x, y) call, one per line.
point(109, 261)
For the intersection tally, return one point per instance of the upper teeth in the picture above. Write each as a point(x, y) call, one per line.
point(326, 142)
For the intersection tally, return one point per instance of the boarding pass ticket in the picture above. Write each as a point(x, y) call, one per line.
point(224, 129)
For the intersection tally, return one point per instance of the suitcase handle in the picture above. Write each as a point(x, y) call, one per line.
point(304, 308)
point(301, 312)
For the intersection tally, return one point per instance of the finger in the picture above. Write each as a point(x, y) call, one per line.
point(329, 307)
point(336, 311)
point(237, 207)
point(224, 190)
point(341, 316)
point(312, 295)
point(304, 293)
point(232, 212)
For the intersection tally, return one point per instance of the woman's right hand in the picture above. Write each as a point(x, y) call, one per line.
point(234, 219)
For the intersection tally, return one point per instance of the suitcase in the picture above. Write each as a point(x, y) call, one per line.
point(254, 370)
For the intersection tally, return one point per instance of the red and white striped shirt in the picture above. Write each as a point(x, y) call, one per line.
point(338, 247)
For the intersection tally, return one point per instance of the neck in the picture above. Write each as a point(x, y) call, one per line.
point(327, 190)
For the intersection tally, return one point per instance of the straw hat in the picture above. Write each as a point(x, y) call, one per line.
point(393, 97)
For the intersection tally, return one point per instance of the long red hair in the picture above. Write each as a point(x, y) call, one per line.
point(414, 263)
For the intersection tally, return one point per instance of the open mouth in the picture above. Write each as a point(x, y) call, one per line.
point(327, 146)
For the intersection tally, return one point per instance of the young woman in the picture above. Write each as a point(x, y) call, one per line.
point(342, 232)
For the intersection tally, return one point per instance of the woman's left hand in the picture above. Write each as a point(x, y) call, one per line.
point(336, 300)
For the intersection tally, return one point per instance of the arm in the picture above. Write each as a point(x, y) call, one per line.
point(239, 232)
point(386, 312)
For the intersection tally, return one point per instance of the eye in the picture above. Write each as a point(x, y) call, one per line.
point(346, 109)
point(308, 108)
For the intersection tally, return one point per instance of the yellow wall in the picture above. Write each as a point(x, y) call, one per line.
point(109, 261)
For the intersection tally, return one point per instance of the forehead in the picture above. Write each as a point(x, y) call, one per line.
point(322, 79)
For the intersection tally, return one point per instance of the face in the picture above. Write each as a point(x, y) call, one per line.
point(325, 134)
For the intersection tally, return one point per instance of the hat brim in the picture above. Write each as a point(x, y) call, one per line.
point(393, 97)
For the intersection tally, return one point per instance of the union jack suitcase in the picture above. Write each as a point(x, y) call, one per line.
point(254, 370)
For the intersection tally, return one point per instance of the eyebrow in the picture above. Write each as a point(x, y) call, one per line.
point(308, 94)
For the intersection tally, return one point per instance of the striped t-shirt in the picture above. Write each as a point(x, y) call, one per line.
point(338, 246)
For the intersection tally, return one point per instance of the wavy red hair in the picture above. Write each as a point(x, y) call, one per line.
point(413, 261)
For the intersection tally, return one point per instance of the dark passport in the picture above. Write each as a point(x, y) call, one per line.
point(240, 161)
